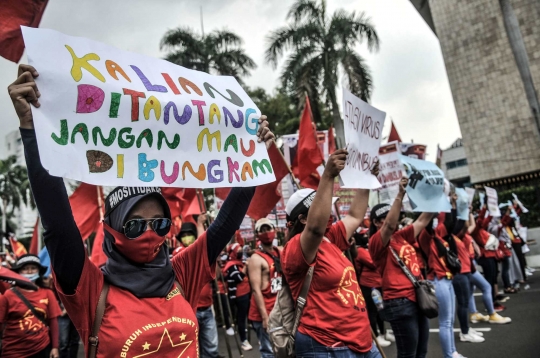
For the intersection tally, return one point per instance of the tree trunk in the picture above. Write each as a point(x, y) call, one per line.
point(338, 122)
point(513, 32)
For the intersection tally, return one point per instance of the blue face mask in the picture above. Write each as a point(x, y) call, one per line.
point(31, 276)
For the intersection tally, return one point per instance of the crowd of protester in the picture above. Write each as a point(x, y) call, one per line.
point(363, 274)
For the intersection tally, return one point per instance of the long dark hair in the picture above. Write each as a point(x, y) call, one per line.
point(372, 228)
point(295, 229)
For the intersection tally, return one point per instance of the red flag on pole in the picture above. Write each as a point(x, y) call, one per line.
point(394, 135)
point(267, 195)
point(85, 208)
point(98, 257)
point(308, 155)
point(331, 140)
point(34, 244)
point(17, 248)
point(13, 14)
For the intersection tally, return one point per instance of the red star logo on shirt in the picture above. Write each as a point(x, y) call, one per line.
point(182, 346)
point(349, 286)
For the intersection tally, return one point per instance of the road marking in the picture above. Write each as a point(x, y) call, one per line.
point(456, 330)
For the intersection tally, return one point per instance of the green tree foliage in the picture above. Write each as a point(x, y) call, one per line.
point(530, 197)
point(321, 46)
point(14, 188)
point(284, 111)
point(219, 52)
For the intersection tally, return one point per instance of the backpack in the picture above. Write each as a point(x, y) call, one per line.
point(285, 317)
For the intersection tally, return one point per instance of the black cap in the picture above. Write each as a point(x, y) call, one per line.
point(27, 259)
point(122, 194)
point(379, 211)
point(188, 227)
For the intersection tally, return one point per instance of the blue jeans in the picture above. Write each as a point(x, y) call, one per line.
point(444, 290)
point(265, 347)
point(307, 347)
point(479, 281)
point(69, 338)
point(208, 337)
point(410, 326)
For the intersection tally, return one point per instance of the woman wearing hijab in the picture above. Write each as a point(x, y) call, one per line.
point(30, 318)
point(334, 322)
point(410, 326)
point(151, 300)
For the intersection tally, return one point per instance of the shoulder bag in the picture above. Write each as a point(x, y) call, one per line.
point(425, 291)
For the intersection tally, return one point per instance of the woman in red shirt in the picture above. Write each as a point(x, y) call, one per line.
point(334, 322)
point(151, 302)
point(26, 335)
point(410, 326)
point(370, 279)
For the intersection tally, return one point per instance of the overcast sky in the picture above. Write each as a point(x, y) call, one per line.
point(410, 79)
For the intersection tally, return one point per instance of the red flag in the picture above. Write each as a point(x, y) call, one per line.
point(14, 14)
point(308, 154)
point(266, 196)
point(17, 248)
point(34, 244)
point(85, 208)
point(394, 135)
point(331, 141)
point(174, 199)
point(193, 204)
point(98, 257)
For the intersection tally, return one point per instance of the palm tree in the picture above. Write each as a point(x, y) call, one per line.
point(320, 47)
point(14, 188)
point(220, 52)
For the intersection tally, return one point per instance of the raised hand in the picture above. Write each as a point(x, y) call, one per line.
point(264, 133)
point(23, 92)
point(336, 163)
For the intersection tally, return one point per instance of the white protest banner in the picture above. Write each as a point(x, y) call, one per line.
point(482, 198)
point(363, 133)
point(470, 193)
point(390, 172)
point(524, 210)
point(111, 117)
point(426, 186)
point(492, 201)
point(462, 204)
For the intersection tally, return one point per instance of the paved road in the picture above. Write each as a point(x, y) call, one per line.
point(520, 338)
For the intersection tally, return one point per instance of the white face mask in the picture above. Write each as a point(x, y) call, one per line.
point(31, 276)
point(435, 223)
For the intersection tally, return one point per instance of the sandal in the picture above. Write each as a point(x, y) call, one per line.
point(510, 290)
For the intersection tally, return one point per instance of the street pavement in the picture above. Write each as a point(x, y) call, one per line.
point(521, 338)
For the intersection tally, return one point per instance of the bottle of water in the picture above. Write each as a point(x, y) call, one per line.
point(377, 298)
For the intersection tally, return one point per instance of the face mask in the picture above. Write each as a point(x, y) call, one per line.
point(435, 223)
point(30, 276)
point(187, 240)
point(267, 237)
point(140, 250)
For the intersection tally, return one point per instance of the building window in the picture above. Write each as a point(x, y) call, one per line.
point(456, 163)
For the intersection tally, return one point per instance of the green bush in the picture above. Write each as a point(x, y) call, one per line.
point(528, 195)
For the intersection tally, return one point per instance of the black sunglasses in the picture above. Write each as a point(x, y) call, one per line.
point(136, 227)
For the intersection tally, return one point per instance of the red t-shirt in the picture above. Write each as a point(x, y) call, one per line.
point(242, 288)
point(135, 327)
point(437, 265)
point(463, 246)
point(24, 333)
point(270, 292)
point(205, 299)
point(369, 276)
point(395, 283)
point(335, 311)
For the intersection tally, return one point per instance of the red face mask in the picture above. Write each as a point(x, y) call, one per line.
point(267, 237)
point(141, 250)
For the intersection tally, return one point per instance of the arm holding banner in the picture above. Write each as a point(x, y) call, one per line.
point(358, 207)
point(62, 236)
point(471, 223)
point(391, 221)
point(321, 208)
